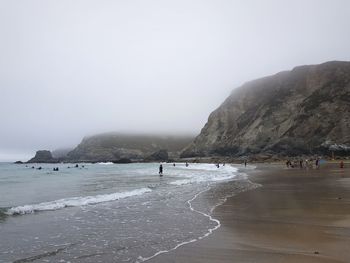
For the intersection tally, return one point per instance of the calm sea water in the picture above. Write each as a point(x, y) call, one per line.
point(108, 212)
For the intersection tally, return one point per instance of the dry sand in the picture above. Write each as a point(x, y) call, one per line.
point(296, 216)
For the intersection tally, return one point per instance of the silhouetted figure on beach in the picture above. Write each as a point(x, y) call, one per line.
point(174, 164)
point(301, 164)
point(245, 163)
point(317, 163)
point(218, 165)
point(186, 164)
point(76, 166)
point(161, 170)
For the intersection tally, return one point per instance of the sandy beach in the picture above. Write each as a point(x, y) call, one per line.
point(297, 215)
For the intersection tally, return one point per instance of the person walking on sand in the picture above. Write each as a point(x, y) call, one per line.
point(161, 170)
point(245, 163)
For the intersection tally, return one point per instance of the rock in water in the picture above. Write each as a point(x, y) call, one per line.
point(43, 156)
point(302, 111)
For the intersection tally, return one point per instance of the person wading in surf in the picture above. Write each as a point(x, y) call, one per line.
point(161, 170)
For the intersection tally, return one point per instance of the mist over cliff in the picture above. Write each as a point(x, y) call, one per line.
point(302, 111)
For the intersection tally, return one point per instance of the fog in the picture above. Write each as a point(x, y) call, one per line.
point(75, 68)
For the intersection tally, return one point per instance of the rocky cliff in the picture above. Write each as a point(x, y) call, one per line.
point(302, 111)
point(114, 146)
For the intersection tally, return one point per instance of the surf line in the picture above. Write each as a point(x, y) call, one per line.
point(210, 230)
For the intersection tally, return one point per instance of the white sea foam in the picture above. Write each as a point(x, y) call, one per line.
point(74, 201)
point(206, 173)
point(106, 163)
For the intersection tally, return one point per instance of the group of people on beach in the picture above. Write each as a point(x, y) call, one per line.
point(304, 163)
point(308, 163)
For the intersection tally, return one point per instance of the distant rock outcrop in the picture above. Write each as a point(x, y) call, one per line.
point(161, 155)
point(302, 111)
point(123, 160)
point(43, 156)
point(114, 146)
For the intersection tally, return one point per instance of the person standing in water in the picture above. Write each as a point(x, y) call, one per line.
point(161, 170)
point(245, 163)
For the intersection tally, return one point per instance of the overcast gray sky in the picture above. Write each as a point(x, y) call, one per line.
point(70, 68)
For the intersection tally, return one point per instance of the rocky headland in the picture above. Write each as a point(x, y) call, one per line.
point(116, 146)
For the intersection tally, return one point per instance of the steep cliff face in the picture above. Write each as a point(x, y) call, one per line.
point(114, 146)
point(302, 111)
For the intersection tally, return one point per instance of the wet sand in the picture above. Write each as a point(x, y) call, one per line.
point(296, 216)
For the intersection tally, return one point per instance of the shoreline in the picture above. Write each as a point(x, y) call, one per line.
point(298, 215)
point(210, 214)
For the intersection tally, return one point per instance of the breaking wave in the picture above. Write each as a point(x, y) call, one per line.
point(73, 201)
point(207, 173)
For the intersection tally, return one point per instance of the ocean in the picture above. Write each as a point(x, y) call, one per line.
point(109, 212)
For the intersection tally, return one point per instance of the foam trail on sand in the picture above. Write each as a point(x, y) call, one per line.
point(228, 173)
point(210, 230)
point(74, 201)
